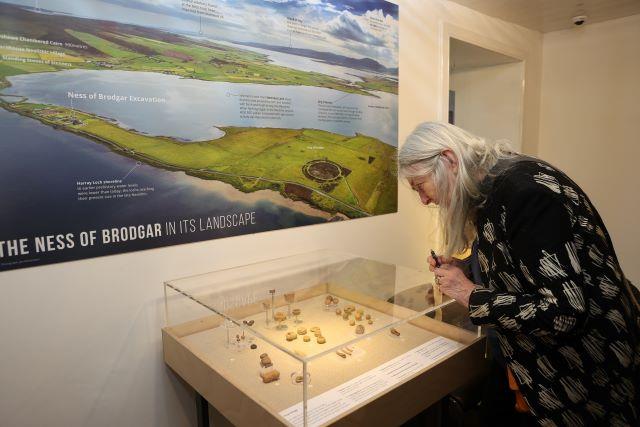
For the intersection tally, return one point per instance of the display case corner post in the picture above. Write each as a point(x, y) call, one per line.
point(166, 306)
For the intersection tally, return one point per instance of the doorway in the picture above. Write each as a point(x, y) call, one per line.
point(486, 92)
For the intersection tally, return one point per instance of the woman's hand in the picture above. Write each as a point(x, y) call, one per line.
point(441, 259)
point(454, 283)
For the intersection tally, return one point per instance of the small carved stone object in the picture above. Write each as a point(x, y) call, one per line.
point(359, 329)
point(345, 315)
point(314, 328)
point(331, 300)
point(321, 340)
point(302, 330)
point(265, 360)
point(338, 312)
point(279, 316)
point(318, 333)
point(341, 354)
point(270, 376)
point(394, 331)
point(370, 322)
point(358, 316)
point(253, 346)
point(368, 317)
point(306, 338)
point(248, 322)
point(352, 322)
point(291, 336)
point(299, 379)
point(351, 308)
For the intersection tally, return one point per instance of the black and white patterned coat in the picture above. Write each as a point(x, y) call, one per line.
point(554, 293)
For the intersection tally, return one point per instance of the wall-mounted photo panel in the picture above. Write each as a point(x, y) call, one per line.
point(129, 125)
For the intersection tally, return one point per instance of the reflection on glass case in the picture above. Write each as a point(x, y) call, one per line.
point(317, 339)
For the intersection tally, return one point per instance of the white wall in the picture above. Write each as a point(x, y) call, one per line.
point(489, 101)
point(590, 122)
point(81, 341)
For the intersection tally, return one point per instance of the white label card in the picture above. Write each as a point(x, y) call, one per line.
point(332, 403)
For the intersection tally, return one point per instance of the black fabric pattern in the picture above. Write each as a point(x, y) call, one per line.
point(554, 292)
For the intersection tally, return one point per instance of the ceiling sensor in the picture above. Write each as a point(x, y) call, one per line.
point(579, 20)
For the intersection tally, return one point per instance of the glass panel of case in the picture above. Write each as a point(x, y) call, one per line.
point(291, 331)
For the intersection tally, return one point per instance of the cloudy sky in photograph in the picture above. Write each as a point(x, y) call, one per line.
point(355, 28)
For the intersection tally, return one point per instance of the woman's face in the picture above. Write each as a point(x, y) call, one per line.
point(425, 185)
point(426, 189)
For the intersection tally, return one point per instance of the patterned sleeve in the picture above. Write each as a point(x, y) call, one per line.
point(538, 232)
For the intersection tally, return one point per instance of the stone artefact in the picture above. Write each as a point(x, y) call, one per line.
point(338, 312)
point(348, 351)
point(359, 329)
point(279, 316)
point(302, 330)
point(314, 328)
point(270, 376)
point(299, 379)
point(345, 315)
point(358, 316)
point(394, 331)
point(248, 322)
point(306, 338)
point(321, 340)
point(265, 360)
point(352, 322)
point(291, 336)
point(370, 322)
point(253, 346)
point(368, 317)
point(331, 300)
point(341, 354)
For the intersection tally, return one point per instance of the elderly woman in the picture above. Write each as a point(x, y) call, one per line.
point(565, 317)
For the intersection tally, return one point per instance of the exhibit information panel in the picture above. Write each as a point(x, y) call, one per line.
point(129, 125)
point(315, 338)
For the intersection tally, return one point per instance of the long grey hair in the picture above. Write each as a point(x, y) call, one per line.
point(458, 198)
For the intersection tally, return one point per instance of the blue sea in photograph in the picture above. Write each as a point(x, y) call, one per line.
point(194, 108)
point(41, 166)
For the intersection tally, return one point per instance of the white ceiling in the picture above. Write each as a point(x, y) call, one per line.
point(553, 15)
point(464, 56)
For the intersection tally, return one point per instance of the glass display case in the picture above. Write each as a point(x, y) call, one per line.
point(316, 339)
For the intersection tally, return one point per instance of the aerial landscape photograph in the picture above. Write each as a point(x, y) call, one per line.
point(153, 112)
